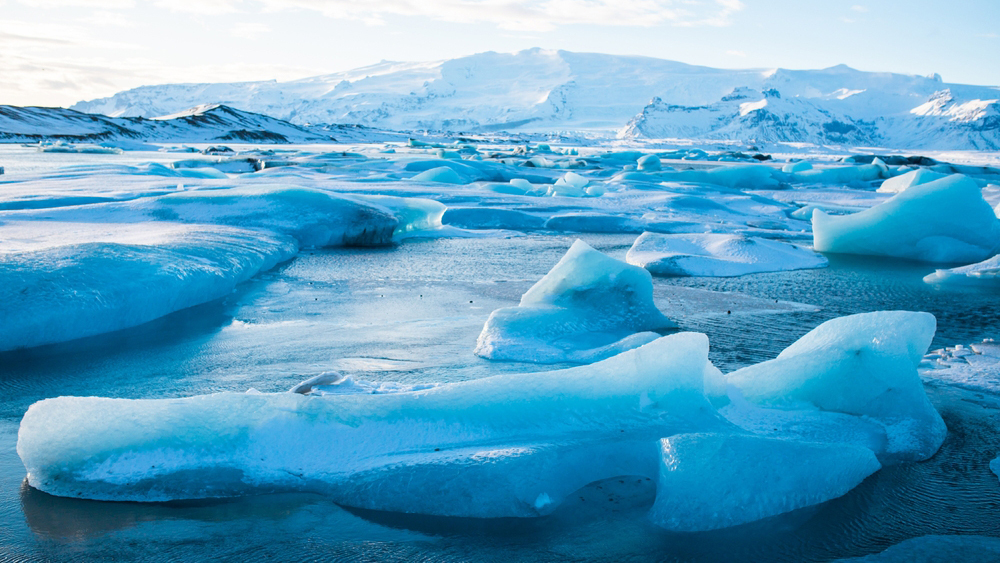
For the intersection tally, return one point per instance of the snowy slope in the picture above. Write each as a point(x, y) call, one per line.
point(539, 90)
point(207, 123)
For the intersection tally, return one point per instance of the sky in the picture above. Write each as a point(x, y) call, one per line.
point(59, 52)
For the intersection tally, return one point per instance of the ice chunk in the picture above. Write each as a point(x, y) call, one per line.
point(722, 255)
point(985, 272)
point(800, 166)
point(995, 466)
point(863, 365)
point(580, 311)
point(313, 217)
point(491, 447)
point(441, 174)
point(844, 174)
point(711, 481)
point(916, 177)
point(71, 291)
point(946, 220)
point(649, 163)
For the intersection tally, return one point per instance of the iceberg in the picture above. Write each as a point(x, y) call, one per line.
point(507, 445)
point(912, 178)
point(863, 365)
point(70, 291)
point(589, 306)
point(720, 255)
point(441, 174)
point(72, 272)
point(942, 221)
point(711, 481)
point(799, 166)
point(649, 163)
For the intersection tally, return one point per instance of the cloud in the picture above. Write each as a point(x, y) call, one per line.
point(105, 4)
point(527, 15)
point(248, 30)
point(860, 9)
point(733, 53)
point(200, 7)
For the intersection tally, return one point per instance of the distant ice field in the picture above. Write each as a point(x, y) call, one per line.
point(408, 305)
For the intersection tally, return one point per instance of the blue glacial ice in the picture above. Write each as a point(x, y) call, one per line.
point(72, 272)
point(70, 291)
point(863, 365)
point(710, 481)
point(588, 307)
point(942, 221)
point(508, 445)
point(721, 255)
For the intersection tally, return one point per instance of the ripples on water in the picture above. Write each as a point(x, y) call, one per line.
point(412, 313)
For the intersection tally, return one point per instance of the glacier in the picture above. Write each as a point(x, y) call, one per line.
point(538, 90)
point(945, 220)
point(588, 307)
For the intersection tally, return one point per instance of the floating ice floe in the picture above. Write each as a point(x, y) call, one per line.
point(800, 166)
point(721, 255)
point(985, 272)
point(942, 221)
point(710, 481)
point(975, 366)
point(588, 307)
point(508, 445)
point(863, 365)
point(70, 291)
point(72, 272)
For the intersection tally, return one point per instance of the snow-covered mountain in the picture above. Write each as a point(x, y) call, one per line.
point(539, 90)
point(205, 123)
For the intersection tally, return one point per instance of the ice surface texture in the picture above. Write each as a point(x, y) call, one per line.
point(946, 220)
point(722, 255)
point(863, 365)
point(588, 307)
point(709, 481)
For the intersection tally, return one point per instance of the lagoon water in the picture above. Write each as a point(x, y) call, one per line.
point(412, 313)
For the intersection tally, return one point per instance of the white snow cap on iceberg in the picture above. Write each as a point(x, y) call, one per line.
point(946, 220)
point(589, 306)
point(721, 255)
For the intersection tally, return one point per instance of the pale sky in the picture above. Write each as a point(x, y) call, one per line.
point(58, 52)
